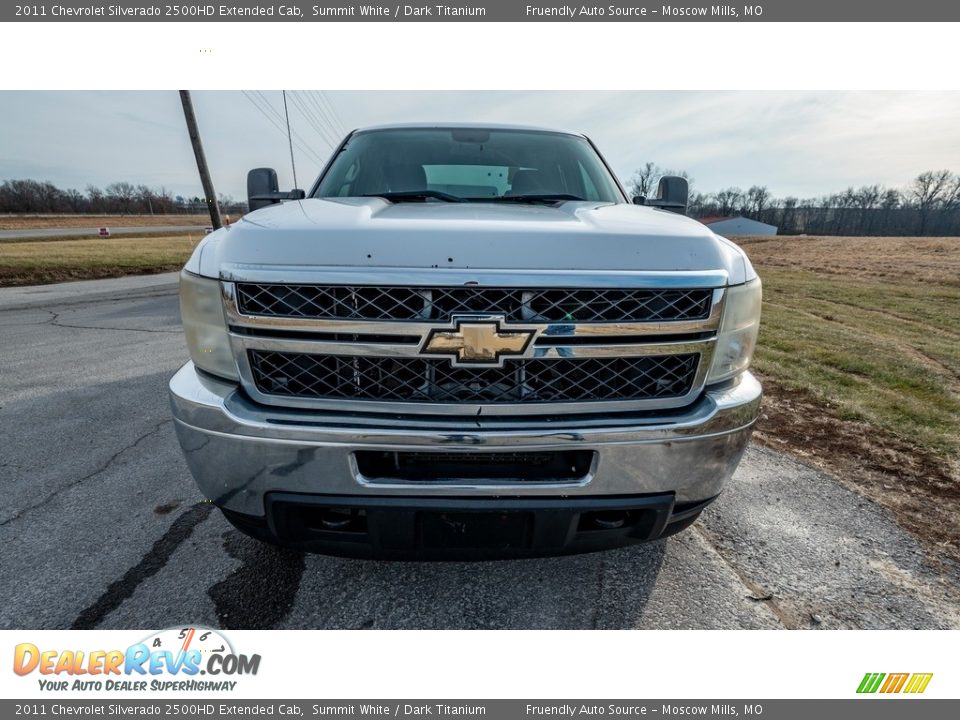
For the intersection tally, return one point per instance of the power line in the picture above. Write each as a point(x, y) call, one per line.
point(328, 112)
point(263, 112)
point(312, 119)
point(277, 123)
point(322, 124)
point(333, 109)
point(318, 158)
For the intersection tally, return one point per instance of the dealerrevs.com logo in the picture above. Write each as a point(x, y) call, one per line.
point(173, 659)
point(889, 683)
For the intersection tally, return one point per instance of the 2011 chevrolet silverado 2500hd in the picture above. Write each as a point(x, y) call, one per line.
point(465, 341)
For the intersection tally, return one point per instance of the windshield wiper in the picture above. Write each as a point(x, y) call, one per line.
point(544, 197)
point(415, 195)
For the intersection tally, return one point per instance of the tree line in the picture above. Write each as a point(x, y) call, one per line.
point(928, 205)
point(119, 198)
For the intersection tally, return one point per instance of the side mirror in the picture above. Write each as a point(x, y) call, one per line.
point(639, 200)
point(672, 194)
point(263, 189)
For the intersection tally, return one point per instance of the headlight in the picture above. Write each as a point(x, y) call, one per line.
point(205, 326)
point(738, 332)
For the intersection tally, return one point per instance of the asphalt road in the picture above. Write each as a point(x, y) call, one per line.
point(101, 524)
point(40, 233)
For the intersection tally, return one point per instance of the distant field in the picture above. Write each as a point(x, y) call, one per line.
point(897, 259)
point(45, 261)
point(43, 222)
point(860, 352)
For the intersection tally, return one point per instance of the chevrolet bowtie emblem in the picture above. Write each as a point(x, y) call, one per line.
point(477, 342)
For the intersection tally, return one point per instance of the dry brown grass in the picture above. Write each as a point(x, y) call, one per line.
point(43, 222)
point(900, 259)
point(35, 263)
point(860, 356)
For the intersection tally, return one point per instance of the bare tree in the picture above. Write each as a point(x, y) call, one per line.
point(788, 215)
point(95, 199)
point(122, 194)
point(866, 199)
point(643, 182)
point(757, 198)
point(729, 200)
point(146, 197)
point(75, 201)
point(928, 191)
point(952, 200)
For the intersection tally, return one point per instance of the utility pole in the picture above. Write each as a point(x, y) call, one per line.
point(211, 197)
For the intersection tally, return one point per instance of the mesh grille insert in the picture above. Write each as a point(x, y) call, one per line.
point(440, 304)
point(437, 381)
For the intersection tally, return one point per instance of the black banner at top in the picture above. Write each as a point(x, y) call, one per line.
point(485, 11)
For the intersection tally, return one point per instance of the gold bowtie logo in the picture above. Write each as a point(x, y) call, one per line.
point(477, 342)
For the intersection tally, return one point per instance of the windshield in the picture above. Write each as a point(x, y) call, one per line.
point(480, 165)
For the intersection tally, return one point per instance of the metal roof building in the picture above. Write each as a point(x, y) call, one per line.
point(737, 225)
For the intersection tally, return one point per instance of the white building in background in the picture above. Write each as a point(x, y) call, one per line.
point(738, 225)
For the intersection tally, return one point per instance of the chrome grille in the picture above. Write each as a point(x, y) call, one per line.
point(315, 376)
point(442, 303)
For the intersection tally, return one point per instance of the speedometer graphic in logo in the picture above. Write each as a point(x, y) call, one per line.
point(192, 637)
point(190, 650)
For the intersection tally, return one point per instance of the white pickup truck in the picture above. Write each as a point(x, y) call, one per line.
point(465, 342)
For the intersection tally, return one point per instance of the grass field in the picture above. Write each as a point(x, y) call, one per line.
point(881, 345)
point(41, 222)
point(47, 261)
point(860, 353)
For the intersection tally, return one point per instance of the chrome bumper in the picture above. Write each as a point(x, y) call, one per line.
point(239, 451)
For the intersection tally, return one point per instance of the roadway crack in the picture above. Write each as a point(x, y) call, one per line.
point(103, 468)
point(54, 318)
point(95, 299)
point(55, 321)
point(45, 321)
point(758, 593)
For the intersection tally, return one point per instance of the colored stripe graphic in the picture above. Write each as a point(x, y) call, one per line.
point(894, 683)
point(918, 682)
point(870, 682)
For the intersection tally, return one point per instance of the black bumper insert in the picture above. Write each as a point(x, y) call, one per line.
point(465, 528)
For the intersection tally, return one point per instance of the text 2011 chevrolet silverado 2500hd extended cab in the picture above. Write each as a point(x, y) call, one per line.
point(465, 341)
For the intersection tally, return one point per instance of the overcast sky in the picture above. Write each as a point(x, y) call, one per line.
point(796, 143)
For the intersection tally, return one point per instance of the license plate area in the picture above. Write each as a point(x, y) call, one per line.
point(494, 530)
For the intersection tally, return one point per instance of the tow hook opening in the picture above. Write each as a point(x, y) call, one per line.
point(334, 519)
point(597, 520)
point(607, 519)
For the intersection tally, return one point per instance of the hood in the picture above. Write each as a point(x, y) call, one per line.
point(372, 232)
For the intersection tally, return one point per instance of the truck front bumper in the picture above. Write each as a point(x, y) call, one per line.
point(274, 471)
